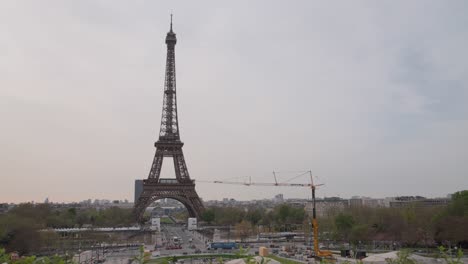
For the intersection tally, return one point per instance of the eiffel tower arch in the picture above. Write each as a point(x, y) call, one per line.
point(182, 188)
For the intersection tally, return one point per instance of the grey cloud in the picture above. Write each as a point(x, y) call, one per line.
point(369, 95)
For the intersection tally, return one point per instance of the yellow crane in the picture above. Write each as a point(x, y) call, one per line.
point(318, 253)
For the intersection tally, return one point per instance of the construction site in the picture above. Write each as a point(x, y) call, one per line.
point(230, 228)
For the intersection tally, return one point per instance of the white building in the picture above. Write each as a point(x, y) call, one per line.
point(156, 224)
point(192, 223)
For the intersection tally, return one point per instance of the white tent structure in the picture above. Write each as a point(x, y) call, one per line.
point(381, 258)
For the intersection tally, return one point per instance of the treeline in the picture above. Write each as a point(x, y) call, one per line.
point(19, 228)
point(410, 226)
point(46, 216)
point(8, 258)
point(279, 218)
point(249, 221)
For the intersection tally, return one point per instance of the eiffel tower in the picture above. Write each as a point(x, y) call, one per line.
point(182, 188)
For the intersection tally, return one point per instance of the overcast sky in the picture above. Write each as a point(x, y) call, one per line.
point(370, 96)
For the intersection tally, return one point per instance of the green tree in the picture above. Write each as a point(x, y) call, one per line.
point(244, 253)
point(449, 259)
point(450, 225)
point(4, 258)
point(254, 216)
point(287, 215)
point(359, 232)
point(20, 234)
point(344, 223)
point(208, 216)
point(282, 213)
point(243, 229)
point(459, 204)
point(141, 258)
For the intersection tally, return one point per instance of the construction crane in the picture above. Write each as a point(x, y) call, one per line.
point(318, 253)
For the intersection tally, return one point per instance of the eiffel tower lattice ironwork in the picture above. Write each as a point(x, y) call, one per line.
point(182, 188)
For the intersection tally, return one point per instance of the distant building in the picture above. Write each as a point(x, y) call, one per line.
point(327, 206)
point(86, 202)
point(155, 224)
point(216, 236)
point(372, 202)
point(138, 189)
point(418, 201)
point(229, 202)
point(278, 198)
point(192, 223)
point(356, 202)
point(298, 203)
point(362, 201)
point(377, 203)
point(4, 208)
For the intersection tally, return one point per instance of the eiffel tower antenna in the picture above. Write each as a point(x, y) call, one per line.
point(171, 22)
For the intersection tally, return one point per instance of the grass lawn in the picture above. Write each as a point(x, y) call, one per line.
point(284, 260)
point(164, 260)
point(166, 220)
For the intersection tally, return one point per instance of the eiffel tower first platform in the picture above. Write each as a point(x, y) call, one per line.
point(182, 188)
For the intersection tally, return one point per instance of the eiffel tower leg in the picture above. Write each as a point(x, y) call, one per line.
point(157, 165)
point(196, 203)
point(180, 167)
point(140, 207)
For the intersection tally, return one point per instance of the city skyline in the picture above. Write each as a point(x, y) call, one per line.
point(271, 201)
point(369, 96)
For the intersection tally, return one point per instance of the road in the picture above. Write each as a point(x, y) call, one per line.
point(121, 256)
point(190, 241)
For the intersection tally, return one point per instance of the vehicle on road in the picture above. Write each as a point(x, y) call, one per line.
point(174, 247)
point(222, 245)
